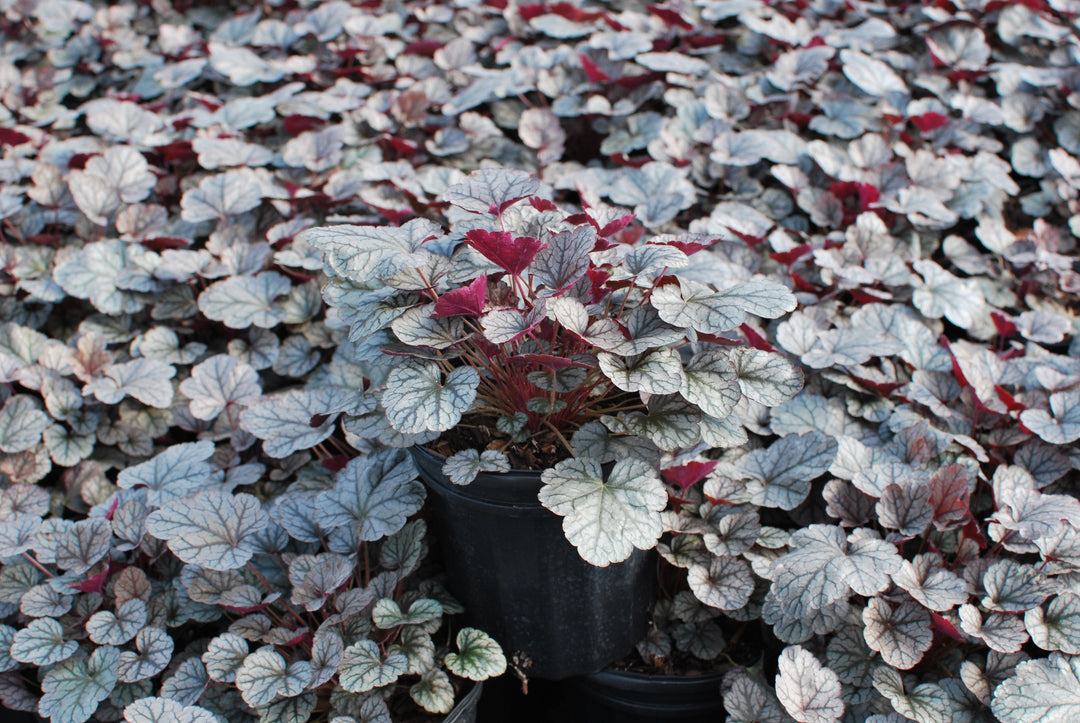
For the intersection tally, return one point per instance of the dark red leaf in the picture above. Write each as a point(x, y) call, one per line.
point(754, 339)
point(531, 10)
point(592, 71)
point(929, 121)
point(943, 626)
point(464, 301)
point(1005, 327)
point(542, 204)
point(425, 48)
point(335, 463)
point(317, 420)
point(95, 583)
point(689, 474)
point(296, 124)
point(510, 253)
point(670, 17)
point(12, 137)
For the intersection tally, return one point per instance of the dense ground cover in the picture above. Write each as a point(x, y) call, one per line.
point(196, 519)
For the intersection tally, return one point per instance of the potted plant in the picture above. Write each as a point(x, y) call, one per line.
point(543, 362)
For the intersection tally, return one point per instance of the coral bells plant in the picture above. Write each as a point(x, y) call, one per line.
point(532, 336)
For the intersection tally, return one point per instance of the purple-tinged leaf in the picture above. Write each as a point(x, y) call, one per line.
point(512, 254)
point(464, 301)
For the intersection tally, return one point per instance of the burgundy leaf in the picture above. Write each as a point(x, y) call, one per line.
point(510, 253)
point(463, 301)
point(689, 474)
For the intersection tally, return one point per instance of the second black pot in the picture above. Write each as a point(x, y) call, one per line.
point(615, 696)
point(524, 584)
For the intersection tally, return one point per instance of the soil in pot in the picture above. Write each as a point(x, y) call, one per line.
point(622, 696)
point(520, 581)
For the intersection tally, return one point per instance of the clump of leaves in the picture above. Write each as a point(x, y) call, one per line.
point(533, 332)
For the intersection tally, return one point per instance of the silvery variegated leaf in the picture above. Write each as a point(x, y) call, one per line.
point(17, 534)
point(926, 703)
point(216, 530)
point(900, 633)
point(165, 710)
point(224, 656)
point(375, 494)
point(724, 583)
point(732, 534)
point(823, 567)
point(221, 195)
point(564, 260)
point(478, 656)
point(659, 371)
point(941, 294)
point(218, 383)
point(322, 575)
point(463, 467)
point(747, 700)
point(187, 683)
point(848, 655)
point(21, 423)
point(694, 305)
point(1013, 587)
point(1059, 425)
point(786, 467)
point(1045, 689)
point(265, 674)
point(179, 471)
point(809, 691)
point(670, 423)
point(243, 301)
point(417, 327)
point(95, 271)
point(283, 421)
point(155, 649)
point(359, 252)
point(80, 546)
point(66, 449)
point(710, 381)
point(1058, 626)
point(42, 642)
point(215, 153)
point(327, 647)
point(388, 614)
point(872, 76)
point(605, 519)
point(927, 580)
point(108, 628)
point(1002, 632)
point(433, 692)
point(119, 176)
point(905, 508)
point(765, 377)
point(491, 190)
point(364, 668)
point(73, 689)
point(45, 601)
point(416, 398)
point(147, 380)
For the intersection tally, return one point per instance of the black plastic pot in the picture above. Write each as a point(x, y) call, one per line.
point(524, 584)
point(466, 709)
point(615, 696)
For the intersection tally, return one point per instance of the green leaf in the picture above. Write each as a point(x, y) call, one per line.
point(479, 657)
point(605, 519)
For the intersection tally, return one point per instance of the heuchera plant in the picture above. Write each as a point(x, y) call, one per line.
point(538, 337)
